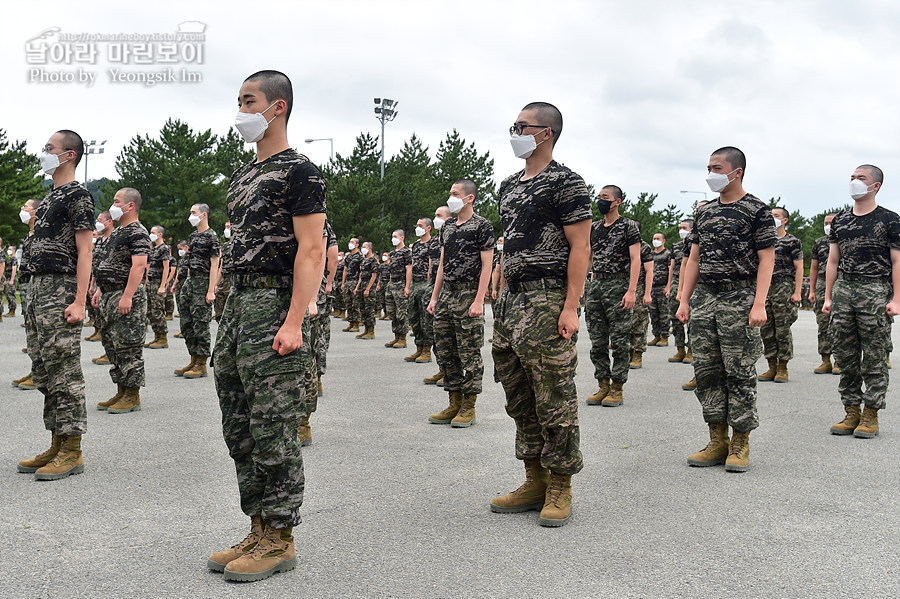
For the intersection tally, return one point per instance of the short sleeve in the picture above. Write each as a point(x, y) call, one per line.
point(573, 202)
point(306, 190)
point(632, 233)
point(764, 235)
point(894, 231)
point(487, 236)
point(81, 210)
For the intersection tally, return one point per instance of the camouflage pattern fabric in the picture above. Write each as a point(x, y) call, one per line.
point(659, 311)
point(866, 241)
point(458, 338)
point(680, 251)
point(823, 321)
point(419, 298)
point(400, 259)
point(63, 211)
point(384, 277)
point(367, 269)
point(537, 369)
point(123, 244)
point(351, 301)
point(434, 255)
point(56, 353)
point(726, 349)
point(781, 313)
point(222, 291)
point(203, 247)
point(9, 290)
point(396, 304)
point(420, 262)
point(30, 327)
point(787, 249)
point(169, 301)
point(609, 324)
point(861, 337)
point(321, 329)
point(196, 314)
point(159, 255)
point(610, 246)
point(367, 306)
point(641, 313)
point(123, 337)
point(463, 244)
point(338, 295)
point(156, 308)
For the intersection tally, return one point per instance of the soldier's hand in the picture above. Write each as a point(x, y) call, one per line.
point(125, 305)
point(431, 306)
point(494, 294)
point(628, 300)
point(648, 299)
point(328, 288)
point(406, 292)
point(366, 293)
point(568, 323)
point(161, 291)
point(684, 312)
point(757, 316)
point(795, 298)
point(893, 308)
point(75, 312)
point(812, 296)
point(666, 291)
point(476, 309)
point(288, 339)
point(95, 299)
point(826, 306)
point(210, 297)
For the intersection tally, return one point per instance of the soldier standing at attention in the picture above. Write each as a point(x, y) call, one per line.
point(223, 283)
point(545, 211)
point(9, 288)
point(276, 205)
point(60, 263)
point(384, 277)
point(397, 297)
point(818, 266)
point(365, 290)
point(782, 301)
point(324, 300)
point(348, 285)
point(178, 282)
point(122, 298)
point(662, 278)
point(418, 301)
point(26, 215)
point(641, 317)
point(862, 294)
point(728, 275)
point(104, 227)
point(157, 276)
point(457, 303)
point(678, 329)
point(199, 292)
point(441, 216)
point(609, 306)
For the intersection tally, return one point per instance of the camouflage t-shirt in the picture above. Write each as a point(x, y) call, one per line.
point(400, 259)
point(434, 254)
point(351, 266)
point(611, 245)
point(820, 250)
point(123, 243)
point(263, 197)
point(202, 247)
point(866, 241)
point(646, 258)
point(729, 236)
point(463, 244)
point(661, 267)
point(533, 214)
point(384, 273)
point(330, 242)
point(159, 254)
point(99, 253)
point(787, 249)
point(367, 268)
point(677, 255)
point(25, 266)
point(64, 210)
point(420, 260)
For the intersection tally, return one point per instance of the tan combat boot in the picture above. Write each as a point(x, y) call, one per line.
point(104, 405)
point(161, 342)
point(529, 496)
point(178, 335)
point(412, 357)
point(781, 372)
point(654, 341)
point(689, 358)
point(637, 360)
point(368, 333)
point(769, 375)
point(218, 560)
point(716, 451)
point(27, 384)
point(42, 459)
point(199, 369)
point(663, 341)
point(825, 367)
point(557, 501)
point(868, 424)
point(440, 381)
point(129, 402)
point(450, 412)
point(433, 379)
point(679, 355)
point(170, 316)
point(67, 462)
point(466, 416)
point(352, 327)
point(400, 343)
point(849, 423)
point(15, 382)
point(10, 314)
point(304, 432)
point(101, 361)
point(738, 452)
point(395, 340)
point(690, 385)
point(95, 336)
point(181, 371)
point(603, 391)
point(836, 369)
point(614, 397)
point(319, 384)
point(274, 552)
point(425, 356)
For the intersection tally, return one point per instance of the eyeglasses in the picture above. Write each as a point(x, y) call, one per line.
point(518, 128)
point(49, 149)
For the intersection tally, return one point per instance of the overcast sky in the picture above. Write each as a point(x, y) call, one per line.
point(647, 89)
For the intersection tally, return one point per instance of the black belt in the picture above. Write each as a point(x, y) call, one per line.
point(851, 278)
point(729, 286)
point(107, 288)
point(534, 284)
point(460, 285)
point(610, 275)
point(262, 281)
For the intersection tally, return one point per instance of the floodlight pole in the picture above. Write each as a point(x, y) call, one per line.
point(385, 111)
point(92, 147)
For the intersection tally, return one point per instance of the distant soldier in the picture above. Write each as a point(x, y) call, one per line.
point(662, 278)
point(9, 288)
point(818, 266)
point(348, 285)
point(340, 309)
point(365, 290)
point(397, 297)
point(678, 329)
point(26, 215)
point(641, 318)
point(104, 228)
point(418, 300)
point(384, 278)
point(183, 270)
point(157, 276)
point(223, 284)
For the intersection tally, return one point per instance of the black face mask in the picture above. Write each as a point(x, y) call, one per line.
point(604, 206)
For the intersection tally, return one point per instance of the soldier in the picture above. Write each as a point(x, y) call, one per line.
point(365, 290)
point(728, 275)
point(818, 266)
point(862, 294)
point(418, 301)
point(9, 289)
point(662, 278)
point(672, 289)
point(782, 301)
point(397, 296)
point(60, 263)
point(641, 317)
point(183, 270)
point(545, 211)
point(324, 304)
point(384, 278)
point(276, 265)
point(104, 228)
point(457, 303)
point(609, 305)
point(348, 285)
point(339, 308)
point(199, 292)
point(157, 276)
point(496, 272)
point(441, 216)
point(122, 298)
point(2, 277)
point(223, 286)
point(26, 215)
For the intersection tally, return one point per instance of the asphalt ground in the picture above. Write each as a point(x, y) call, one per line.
point(398, 507)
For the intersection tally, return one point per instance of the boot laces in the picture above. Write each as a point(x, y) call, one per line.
point(270, 543)
point(252, 537)
point(737, 444)
point(554, 492)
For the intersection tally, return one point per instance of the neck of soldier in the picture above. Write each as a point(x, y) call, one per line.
point(273, 142)
point(158, 241)
point(659, 249)
point(426, 237)
point(107, 231)
point(63, 174)
point(611, 216)
point(864, 205)
point(780, 232)
point(732, 193)
point(538, 161)
point(202, 226)
point(128, 218)
point(465, 214)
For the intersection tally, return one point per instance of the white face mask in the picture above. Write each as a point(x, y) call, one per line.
point(499, 247)
point(683, 233)
point(115, 212)
point(395, 241)
point(153, 237)
point(419, 231)
point(384, 258)
point(194, 220)
point(351, 246)
point(858, 189)
point(657, 243)
point(438, 223)
point(455, 204)
point(227, 233)
point(50, 162)
point(98, 226)
point(777, 223)
point(364, 251)
point(182, 253)
point(828, 229)
point(252, 126)
point(717, 181)
point(24, 216)
point(94, 240)
point(523, 146)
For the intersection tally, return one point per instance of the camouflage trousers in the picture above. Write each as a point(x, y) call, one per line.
point(640, 321)
point(123, 337)
point(395, 305)
point(56, 353)
point(726, 349)
point(9, 289)
point(536, 367)
point(156, 308)
point(823, 321)
point(262, 399)
point(861, 331)
point(608, 324)
point(379, 297)
point(30, 331)
point(458, 338)
point(195, 314)
point(169, 300)
point(338, 296)
point(322, 330)
point(781, 313)
point(367, 307)
point(421, 321)
point(679, 330)
point(222, 290)
point(659, 311)
point(352, 302)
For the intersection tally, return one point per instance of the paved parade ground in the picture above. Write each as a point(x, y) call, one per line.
point(398, 507)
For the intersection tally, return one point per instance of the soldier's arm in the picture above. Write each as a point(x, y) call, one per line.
point(831, 270)
point(690, 272)
point(495, 280)
point(813, 276)
point(12, 274)
point(75, 311)
point(763, 281)
point(135, 277)
point(648, 282)
point(438, 283)
point(579, 237)
point(213, 279)
point(477, 307)
point(669, 279)
point(634, 273)
point(2, 268)
point(332, 259)
point(893, 307)
point(408, 279)
point(798, 281)
point(165, 278)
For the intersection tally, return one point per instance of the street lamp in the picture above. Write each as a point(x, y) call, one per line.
point(92, 147)
point(328, 139)
point(385, 111)
point(686, 191)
